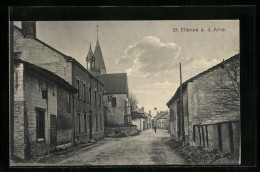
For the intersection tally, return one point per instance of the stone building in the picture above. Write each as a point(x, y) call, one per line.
point(160, 120)
point(88, 108)
point(208, 121)
point(36, 92)
point(148, 120)
point(139, 118)
point(116, 98)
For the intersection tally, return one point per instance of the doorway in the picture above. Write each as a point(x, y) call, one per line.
point(90, 126)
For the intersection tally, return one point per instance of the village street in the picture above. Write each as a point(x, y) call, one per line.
point(144, 149)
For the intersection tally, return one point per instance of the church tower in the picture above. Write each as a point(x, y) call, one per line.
point(90, 59)
point(95, 61)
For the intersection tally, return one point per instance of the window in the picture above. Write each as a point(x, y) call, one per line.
point(89, 90)
point(95, 98)
point(100, 100)
point(98, 71)
point(79, 122)
point(84, 92)
point(68, 102)
point(44, 93)
point(92, 64)
point(85, 123)
point(78, 88)
point(113, 102)
point(88, 65)
point(96, 124)
point(40, 85)
point(101, 124)
point(40, 124)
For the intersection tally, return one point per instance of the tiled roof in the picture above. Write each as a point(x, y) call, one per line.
point(46, 74)
point(161, 115)
point(115, 83)
point(201, 74)
point(137, 115)
point(99, 62)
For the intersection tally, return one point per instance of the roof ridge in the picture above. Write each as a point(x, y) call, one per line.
point(114, 73)
point(203, 73)
point(47, 71)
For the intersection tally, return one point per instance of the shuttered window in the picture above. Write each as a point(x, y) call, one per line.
point(113, 102)
point(40, 124)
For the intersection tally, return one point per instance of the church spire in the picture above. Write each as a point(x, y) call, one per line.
point(90, 59)
point(97, 32)
point(99, 63)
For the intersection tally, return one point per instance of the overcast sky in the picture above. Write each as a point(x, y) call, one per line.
point(148, 51)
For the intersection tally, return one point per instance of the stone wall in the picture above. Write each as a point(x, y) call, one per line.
point(115, 115)
point(19, 139)
point(203, 98)
point(37, 52)
point(65, 124)
point(127, 130)
point(174, 115)
point(33, 100)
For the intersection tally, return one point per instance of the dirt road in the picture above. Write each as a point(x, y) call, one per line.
point(144, 149)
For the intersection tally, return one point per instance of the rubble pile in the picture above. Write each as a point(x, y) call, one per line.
point(197, 155)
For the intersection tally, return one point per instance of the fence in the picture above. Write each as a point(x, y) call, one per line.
point(224, 136)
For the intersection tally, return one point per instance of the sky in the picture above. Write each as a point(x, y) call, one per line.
point(148, 51)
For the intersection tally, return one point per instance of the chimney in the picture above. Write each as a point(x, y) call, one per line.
point(142, 108)
point(17, 55)
point(29, 29)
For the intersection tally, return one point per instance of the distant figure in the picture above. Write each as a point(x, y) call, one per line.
point(155, 129)
point(117, 133)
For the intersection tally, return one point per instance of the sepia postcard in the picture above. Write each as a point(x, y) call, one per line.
point(125, 92)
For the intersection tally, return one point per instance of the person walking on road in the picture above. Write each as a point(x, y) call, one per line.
point(155, 129)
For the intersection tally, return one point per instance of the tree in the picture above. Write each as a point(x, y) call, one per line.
point(133, 101)
point(228, 89)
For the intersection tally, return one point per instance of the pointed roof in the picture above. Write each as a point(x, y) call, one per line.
point(121, 86)
point(237, 56)
point(90, 53)
point(32, 68)
point(138, 113)
point(161, 115)
point(99, 63)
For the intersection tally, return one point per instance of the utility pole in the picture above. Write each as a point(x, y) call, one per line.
point(182, 114)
